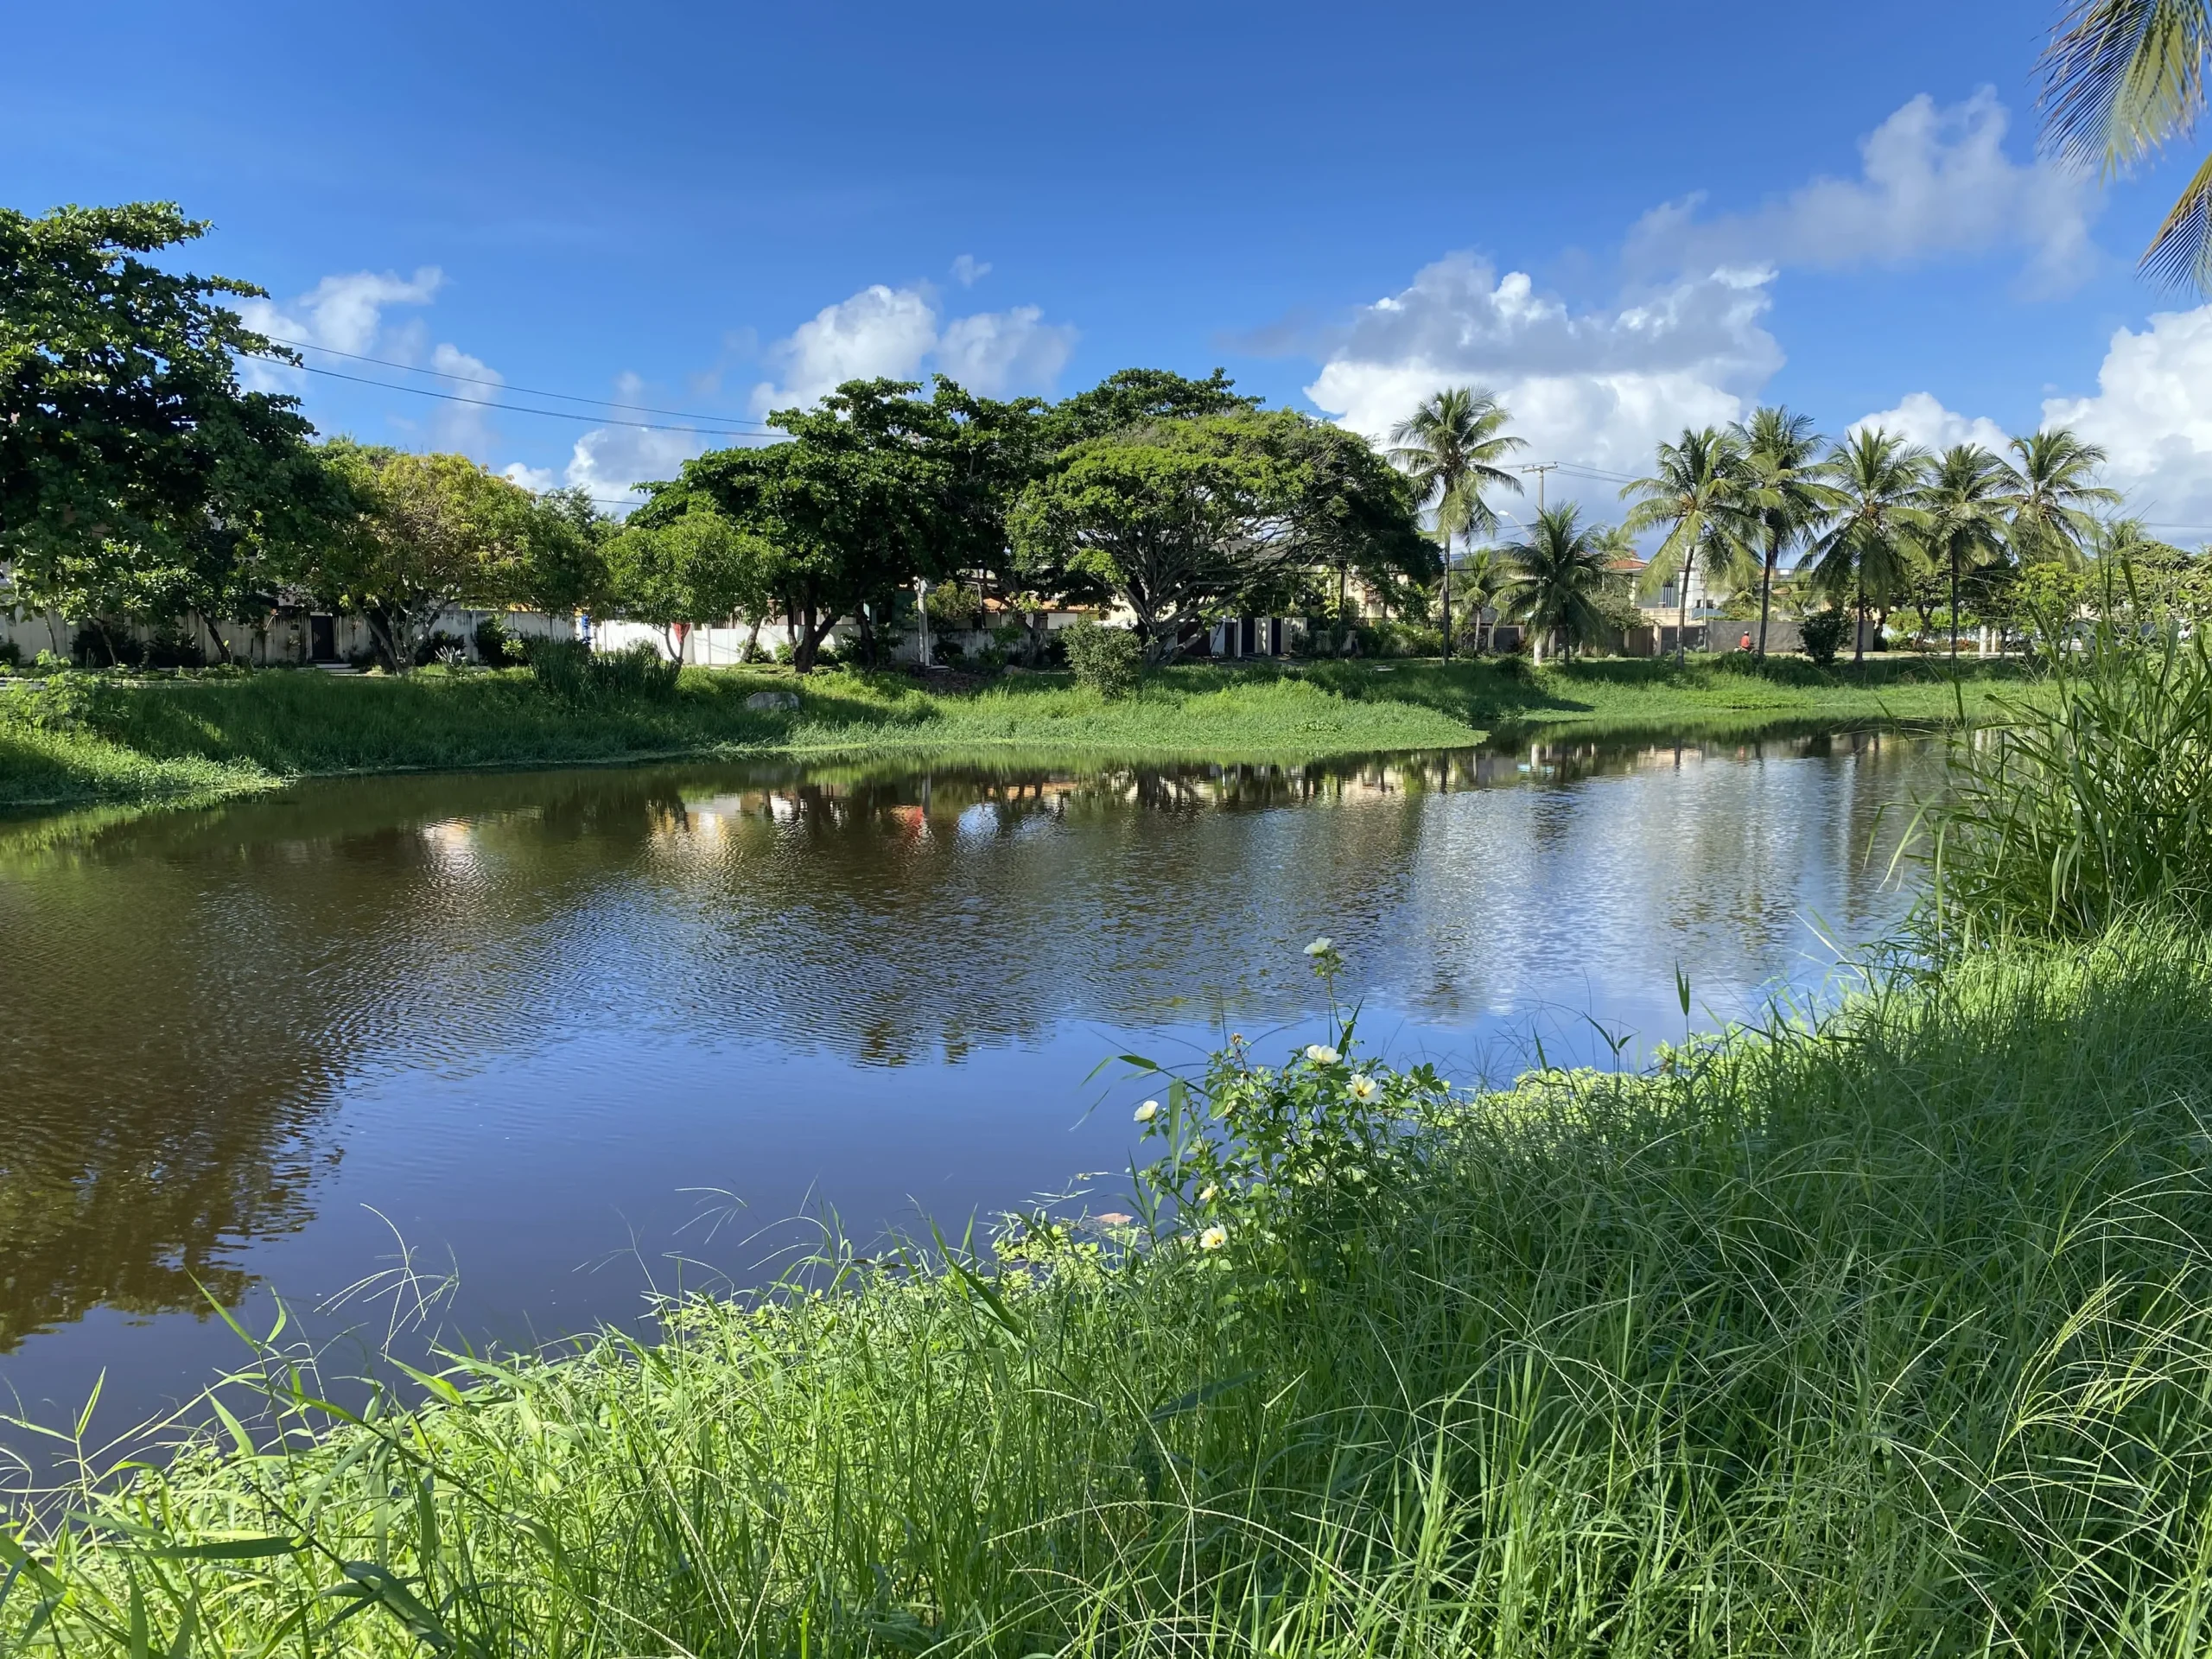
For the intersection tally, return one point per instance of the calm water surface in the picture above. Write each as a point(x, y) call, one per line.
point(582, 1034)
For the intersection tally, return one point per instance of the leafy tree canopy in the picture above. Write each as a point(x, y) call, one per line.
point(695, 566)
point(136, 477)
point(437, 531)
point(1185, 520)
point(1134, 397)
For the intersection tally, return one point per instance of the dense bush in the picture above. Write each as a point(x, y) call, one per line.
point(571, 670)
point(1110, 661)
point(441, 647)
point(1823, 632)
point(953, 605)
point(496, 644)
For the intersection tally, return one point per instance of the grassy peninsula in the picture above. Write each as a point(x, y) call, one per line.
point(87, 741)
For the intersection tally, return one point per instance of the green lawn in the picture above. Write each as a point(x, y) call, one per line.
point(203, 738)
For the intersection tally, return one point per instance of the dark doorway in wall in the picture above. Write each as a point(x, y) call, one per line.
point(322, 639)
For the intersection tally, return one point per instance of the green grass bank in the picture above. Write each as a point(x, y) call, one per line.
point(1885, 1330)
point(99, 741)
point(1887, 1335)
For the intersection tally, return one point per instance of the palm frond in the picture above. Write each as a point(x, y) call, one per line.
point(2123, 78)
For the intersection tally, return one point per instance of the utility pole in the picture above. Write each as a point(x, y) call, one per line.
point(1539, 468)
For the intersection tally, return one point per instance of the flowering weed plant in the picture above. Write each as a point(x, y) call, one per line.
point(1258, 1165)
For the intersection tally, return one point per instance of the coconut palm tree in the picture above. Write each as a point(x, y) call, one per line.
point(1450, 448)
point(2053, 494)
point(1877, 518)
point(1697, 492)
point(1969, 490)
point(1481, 578)
point(2121, 80)
point(1785, 493)
point(1559, 571)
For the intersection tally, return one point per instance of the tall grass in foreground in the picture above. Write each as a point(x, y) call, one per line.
point(2091, 802)
point(1890, 1334)
point(1887, 1332)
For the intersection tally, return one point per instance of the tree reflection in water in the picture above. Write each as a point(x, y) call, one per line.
point(188, 997)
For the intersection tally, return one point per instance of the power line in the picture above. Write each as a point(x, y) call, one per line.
point(527, 392)
point(515, 409)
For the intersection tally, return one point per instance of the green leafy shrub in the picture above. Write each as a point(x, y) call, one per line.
point(1823, 632)
point(572, 670)
point(496, 644)
point(1109, 661)
point(953, 605)
point(64, 700)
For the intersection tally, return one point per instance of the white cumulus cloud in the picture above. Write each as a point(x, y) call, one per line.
point(892, 333)
point(608, 462)
point(880, 332)
point(2151, 414)
point(998, 352)
point(342, 313)
point(1596, 387)
point(465, 427)
point(1921, 419)
point(1934, 183)
point(968, 269)
point(346, 313)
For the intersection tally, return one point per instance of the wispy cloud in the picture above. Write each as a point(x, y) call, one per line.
point(1934, 183)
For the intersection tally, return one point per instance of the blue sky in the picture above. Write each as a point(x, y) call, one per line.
point(1622, 217)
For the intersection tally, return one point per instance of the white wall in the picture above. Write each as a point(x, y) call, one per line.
point(285, 639)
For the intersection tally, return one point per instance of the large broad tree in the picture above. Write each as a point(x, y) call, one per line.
point(1129, 399)
point(1880, 516)
point(1699, 492)
point(1184, 521)
point(430, 532)
point(1450, 448)
point(873, 488)
point(695, 567)
point(135, 475)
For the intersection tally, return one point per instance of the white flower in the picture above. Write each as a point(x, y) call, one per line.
point(1321, 1054)
point(1146, 1112)
point(1321, 946)
point(1364, 1089)
point(1214, 1237)
point(1209, 1195)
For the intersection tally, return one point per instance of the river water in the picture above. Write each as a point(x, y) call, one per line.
point(573, 1036)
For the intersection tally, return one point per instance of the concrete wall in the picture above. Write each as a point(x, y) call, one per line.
point(287, 637)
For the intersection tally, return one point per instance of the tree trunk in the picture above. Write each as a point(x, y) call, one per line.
point(1682, 614)
point(1954, 607)
point(1766, 591)
point(810, 639)
point(1858, 630)
point(1447, 597)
